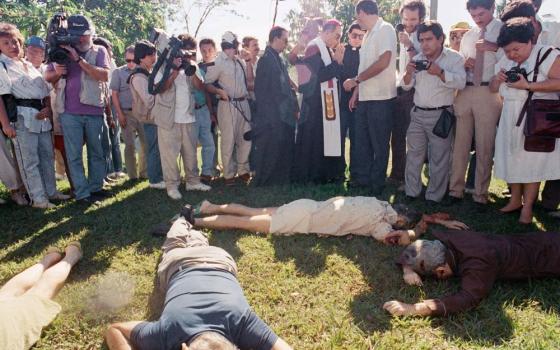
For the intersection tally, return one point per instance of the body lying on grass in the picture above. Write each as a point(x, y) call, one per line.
point(204, 304)
point(338, 216)
point(479, 260)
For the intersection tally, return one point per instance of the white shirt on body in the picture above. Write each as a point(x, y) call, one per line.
point(380, 39)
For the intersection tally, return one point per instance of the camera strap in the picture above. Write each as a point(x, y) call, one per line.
point(534, 80)
point(235, 103)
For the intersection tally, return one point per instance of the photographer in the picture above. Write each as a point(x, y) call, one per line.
point(31, 128)
point(79, 85)
point(234, 114)
point(521, 169)
point(177, 132)
point(436, 74)
point(412, 13)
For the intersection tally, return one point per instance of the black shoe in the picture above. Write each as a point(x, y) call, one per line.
point(432, 203)
point(451, 200)
point(102, 194)
point(188, 213)
point(88, 201)
point(410, 198)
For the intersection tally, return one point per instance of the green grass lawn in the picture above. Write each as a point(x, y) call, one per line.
point(317, 293)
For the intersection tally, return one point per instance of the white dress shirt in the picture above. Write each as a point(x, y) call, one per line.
point(430, 90)
point(404, 57)
point(380, 39)
point(468, 49)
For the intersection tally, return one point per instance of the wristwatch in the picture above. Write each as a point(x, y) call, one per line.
point(357, 80)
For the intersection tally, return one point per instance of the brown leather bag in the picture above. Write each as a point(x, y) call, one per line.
point(543, 118)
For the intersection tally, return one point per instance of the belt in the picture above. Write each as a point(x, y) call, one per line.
point(33, 103)
point(432, 109)
point(484, 83)
point(127, 109)
point(199, 106)
point(238, 99)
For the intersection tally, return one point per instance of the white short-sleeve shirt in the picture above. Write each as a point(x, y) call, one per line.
point(380, 39)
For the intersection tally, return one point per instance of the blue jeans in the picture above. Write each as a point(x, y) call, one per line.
point(112, 146)
point(75, 127)
point(155, 174)
point(373, 125)
point(203, 128)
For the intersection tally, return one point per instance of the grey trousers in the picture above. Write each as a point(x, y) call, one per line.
point(421, 140)
point(35, 156)
point(186, 247)
point(8, 171)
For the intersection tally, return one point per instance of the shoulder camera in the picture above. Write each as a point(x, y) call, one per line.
point(57, 36)
point(172, 47)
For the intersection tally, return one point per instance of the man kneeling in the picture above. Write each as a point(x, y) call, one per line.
point(204, 305)
point(478, 259)
point(338, 216)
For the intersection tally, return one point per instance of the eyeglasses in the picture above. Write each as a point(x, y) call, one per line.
point(357, 36)
point(129, 60)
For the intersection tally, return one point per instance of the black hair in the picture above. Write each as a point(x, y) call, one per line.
point(430, 26)
point(367, 6)
point(189, 42)
point(411, 216)
point(129, 49)
point(275, 32)
point(143, 48)
point(518, 8)
point(207, 41)
point(487, 4)
point(413, 5)
point(353, 26)
point(517, 29)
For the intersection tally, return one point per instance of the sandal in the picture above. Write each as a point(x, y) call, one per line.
point(77, 245)
point(53, 249)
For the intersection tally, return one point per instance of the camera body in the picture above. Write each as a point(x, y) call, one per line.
point(173, 48)
point(422, 65)
point(399, 28)
point(57, 36)
point(513, 74)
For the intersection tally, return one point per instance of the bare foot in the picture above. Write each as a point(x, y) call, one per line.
point(526, 216)
point(511, 207)
point(205, 207)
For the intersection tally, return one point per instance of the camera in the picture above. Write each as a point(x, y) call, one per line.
point(170, 48)
point(399, 28)
point(513, 74)
point(422, 65)
point(58, 36)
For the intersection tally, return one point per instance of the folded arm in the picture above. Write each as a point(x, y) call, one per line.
point(117, 335)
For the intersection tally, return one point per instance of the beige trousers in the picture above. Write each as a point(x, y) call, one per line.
point(232, 126)
point(182, 140)
point(9, 173)
point(133, 128)
point(478, 111)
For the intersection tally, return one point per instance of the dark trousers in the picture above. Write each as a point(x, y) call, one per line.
point(348, 121)
point(373, 131)
point(401, 121)
point(551, 194)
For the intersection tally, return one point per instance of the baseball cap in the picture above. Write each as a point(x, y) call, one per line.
point(35, 41)
point(80, 25)
point(229, 37)
point(460, 26)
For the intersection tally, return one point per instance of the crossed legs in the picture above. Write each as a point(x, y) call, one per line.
point(234, 216)
point(45, 278)
point(523, 196)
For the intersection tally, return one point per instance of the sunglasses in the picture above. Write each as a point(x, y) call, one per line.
point(356, 36)
point(455, 36)
point(129, 61)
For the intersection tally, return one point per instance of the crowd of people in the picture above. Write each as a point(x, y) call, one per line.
point(456, 107)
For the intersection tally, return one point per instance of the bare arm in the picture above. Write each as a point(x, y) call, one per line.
point(377, 67)
point(97, 73)
point(117, 335)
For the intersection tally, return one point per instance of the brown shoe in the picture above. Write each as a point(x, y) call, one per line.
point(230, 182)
point(245, 178)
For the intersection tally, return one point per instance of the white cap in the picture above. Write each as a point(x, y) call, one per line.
point(229, 37)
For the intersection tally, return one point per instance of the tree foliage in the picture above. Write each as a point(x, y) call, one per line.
point(120, 21)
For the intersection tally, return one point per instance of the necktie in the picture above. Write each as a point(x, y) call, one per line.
point(479, 62)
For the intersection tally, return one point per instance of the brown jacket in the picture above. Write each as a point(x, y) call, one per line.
point(480, 259)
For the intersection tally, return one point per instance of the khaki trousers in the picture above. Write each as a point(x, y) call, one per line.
point(182, 140)
point(184, 248)
point(232, 126)
point(133, 128)
point(478, 111)
point(9, 173)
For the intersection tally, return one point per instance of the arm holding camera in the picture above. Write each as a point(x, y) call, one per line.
point(552, 84)
point(97, 73)
point(453, 76)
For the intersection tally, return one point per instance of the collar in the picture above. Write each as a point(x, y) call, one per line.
point(452, 261)
point(271, 50)
point(493, 23)
point(377, 24)
point(443, 53)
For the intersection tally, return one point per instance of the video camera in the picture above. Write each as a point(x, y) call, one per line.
point(58, 36)
point(172, 47)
